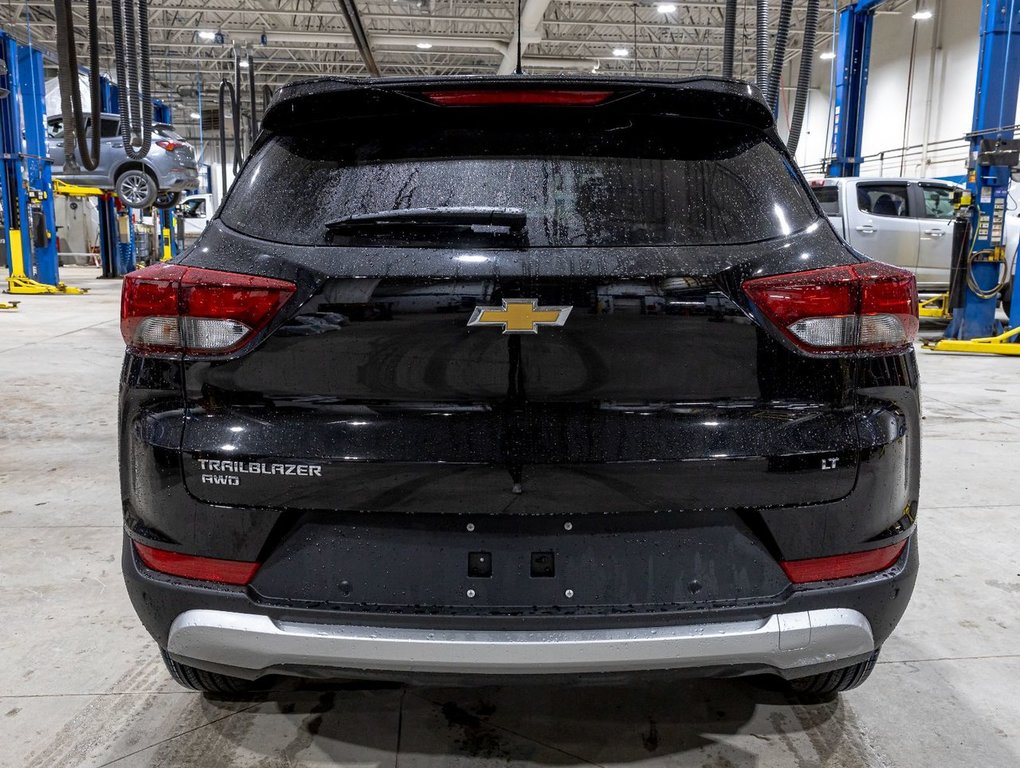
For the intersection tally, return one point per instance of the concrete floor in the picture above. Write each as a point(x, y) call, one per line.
point(81, 683)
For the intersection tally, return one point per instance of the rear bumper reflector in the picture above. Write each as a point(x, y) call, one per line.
point(194, 567)
point(252, 645)
point(843, 566)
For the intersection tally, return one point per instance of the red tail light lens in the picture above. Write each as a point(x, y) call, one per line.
point(168, 145)
point(870, 307)
point(193, 567)
point(843, 566)
point(497, 97)
point(173, 309)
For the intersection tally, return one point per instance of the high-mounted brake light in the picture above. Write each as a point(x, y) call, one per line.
point(193, 567)
point(870, 307)
point(168, 145)
point(171, 309)
point(497, 97)
point(842, 566)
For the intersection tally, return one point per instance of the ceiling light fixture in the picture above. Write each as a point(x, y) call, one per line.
point(243, 63)
point(423, 46)
point(665, 7)
point(828, 56)
point(206, 34)
point(620, 52)
point(922, 15)
point(195, 116)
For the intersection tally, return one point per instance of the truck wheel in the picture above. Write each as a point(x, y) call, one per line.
point(207, 682)
point(1007, 298)
point(166, 200)
point(136, 188)
point(824, 687)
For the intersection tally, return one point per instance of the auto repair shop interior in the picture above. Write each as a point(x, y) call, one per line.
point(328, 436)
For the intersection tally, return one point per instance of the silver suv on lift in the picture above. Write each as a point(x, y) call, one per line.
point(158, 179)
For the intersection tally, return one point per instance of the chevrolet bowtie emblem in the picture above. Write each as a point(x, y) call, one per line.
point(519, 316)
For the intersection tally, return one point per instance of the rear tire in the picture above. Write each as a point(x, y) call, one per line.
point(166, 200)
point(136, 188)
point(826, 686)
point(206, 682)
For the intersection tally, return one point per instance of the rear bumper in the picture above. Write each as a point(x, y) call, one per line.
point(808, 630)
point(251, 645)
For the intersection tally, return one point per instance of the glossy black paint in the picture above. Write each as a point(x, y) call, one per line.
point(678, 433)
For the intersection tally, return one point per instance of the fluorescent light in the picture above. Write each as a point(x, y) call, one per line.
point(244, 63)
point(922, 15)
point(423, 46)
point(206, 34)
point(828, 56)
point(665, 7)
point(195, 116)
point(621, 52)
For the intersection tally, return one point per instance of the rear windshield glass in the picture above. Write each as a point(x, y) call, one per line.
point(828, 199)
point(618, 180)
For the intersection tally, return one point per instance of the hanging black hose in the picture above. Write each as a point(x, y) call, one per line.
point(253, 120)
point(782, 37)
point(70, 93)
point(236, 106)
point(235, 112)
point(807, 59)
point(761, 46)
point(729, 37)
point(267, 96)
point(131, 45)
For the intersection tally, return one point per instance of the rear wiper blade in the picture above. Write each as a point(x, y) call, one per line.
point(514, 219)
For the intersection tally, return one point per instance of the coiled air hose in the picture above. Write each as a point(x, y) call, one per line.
point(131, 45)
point(1004, 274)
point(761, 51)
point(729, 37)
point(782, 37)
point(67, 55)
point(253, 123)
point(235, 113)
point(807, 56)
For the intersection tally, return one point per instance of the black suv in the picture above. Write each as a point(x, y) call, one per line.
point(498, 378)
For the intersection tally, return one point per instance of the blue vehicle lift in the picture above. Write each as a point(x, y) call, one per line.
point(993, 155)
point(853, 56)
point(26, 185)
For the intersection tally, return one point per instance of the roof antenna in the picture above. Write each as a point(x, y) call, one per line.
point(520, 69)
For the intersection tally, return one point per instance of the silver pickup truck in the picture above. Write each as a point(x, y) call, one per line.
point(901, 221)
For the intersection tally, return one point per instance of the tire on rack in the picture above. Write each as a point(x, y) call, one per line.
point(136, 187)
point(166, 200)
point(207, 682)
point(825, 687)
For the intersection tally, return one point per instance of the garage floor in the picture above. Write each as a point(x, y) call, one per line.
point(81, 683)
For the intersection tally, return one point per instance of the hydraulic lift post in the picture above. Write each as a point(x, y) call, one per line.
point(994, 154)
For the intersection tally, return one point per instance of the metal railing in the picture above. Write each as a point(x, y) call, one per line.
point(947, 156)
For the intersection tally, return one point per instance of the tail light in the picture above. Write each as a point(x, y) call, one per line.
point(868, 307)
point(170, 309)
point(194, 567)
point(501, 97)
point(168, 145)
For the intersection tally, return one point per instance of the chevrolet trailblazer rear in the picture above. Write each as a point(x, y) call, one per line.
point(500, 378)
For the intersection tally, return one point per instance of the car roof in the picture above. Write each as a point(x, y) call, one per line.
point(109, 115)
